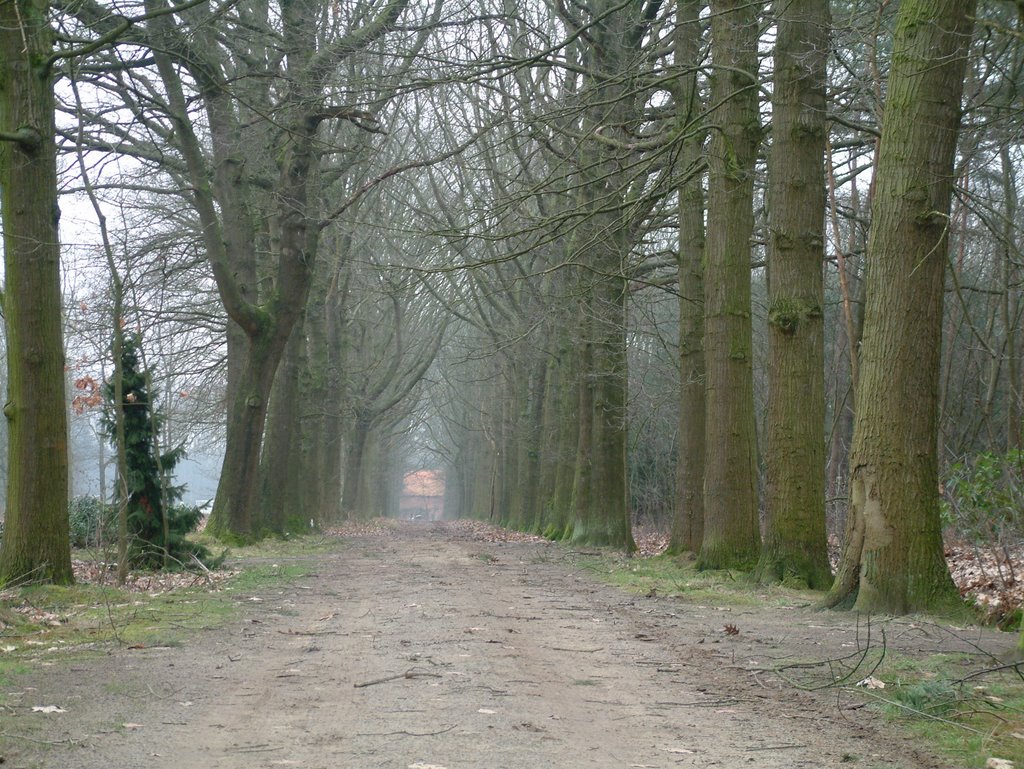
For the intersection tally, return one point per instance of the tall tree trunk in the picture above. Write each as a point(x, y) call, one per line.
point(848, 335)
point(688, 520)
point(581, 485)
point(36, 542)
point(334, 424)
point(531, 437)
point(561, 410)
point(1011, 306)
point(601, 244)
point(606, 519)
point(313, 411)
point(281, 467)
point(731, 534)
point(355, 468)
point(237, 501)
point(795, 544)
point(893, 557)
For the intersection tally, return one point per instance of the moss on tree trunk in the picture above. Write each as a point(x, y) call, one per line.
point(893, 557)
point(731, 534)
point(795, 546)
point(36, 539)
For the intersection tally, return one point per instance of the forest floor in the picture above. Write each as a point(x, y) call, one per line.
point(441, 646)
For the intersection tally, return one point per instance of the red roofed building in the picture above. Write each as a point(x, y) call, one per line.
point(422, 496)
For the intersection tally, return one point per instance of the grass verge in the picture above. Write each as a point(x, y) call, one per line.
point(675, 577)
point(966, 706)
point(49, 622)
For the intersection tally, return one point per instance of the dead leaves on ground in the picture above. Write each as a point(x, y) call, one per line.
point(460, 530)
point(992, 575)
point(99, 572)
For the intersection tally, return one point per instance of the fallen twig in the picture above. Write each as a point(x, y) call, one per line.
point(65, 741)
point(409, 734)
point(1016, 666)
point(921, 713)
point(703, 704)
point(775, 747)
point(258, 748)
point(397, 676)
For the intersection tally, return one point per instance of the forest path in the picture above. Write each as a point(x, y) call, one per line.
point(430, 648)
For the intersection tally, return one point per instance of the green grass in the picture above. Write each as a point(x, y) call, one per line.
point(280, 547)
point(968, 721)
point(963, 706)
point(671, 576)
point(46, 623)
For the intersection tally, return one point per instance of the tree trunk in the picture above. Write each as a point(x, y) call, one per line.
point(235, 508)
point(532, 443)
point(893, 558)
point(688, 520)
point(355, 467)
point(334, 425)
point(314, 407)
point(281, 468)
point(601, 244)
point(560, 420)
point(36, 541)
point(583, 469)
point(1011, 305)
point(731, 534)
point(795, 545)
point(605, 519)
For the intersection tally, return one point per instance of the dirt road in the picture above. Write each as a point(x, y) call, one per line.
point(428, 648)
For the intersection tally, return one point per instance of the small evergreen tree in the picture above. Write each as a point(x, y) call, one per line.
point(152, 499)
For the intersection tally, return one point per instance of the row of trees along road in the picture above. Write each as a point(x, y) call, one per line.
point(599, 259)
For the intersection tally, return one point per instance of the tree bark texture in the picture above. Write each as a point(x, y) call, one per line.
point(688, 520)
point(795, 545)
point(282, 473)
point(600, 244)
point(558, 452)
point(893, 557)
point(36, 533)
point(731, 534)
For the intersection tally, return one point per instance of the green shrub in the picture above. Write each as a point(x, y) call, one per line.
point(984, 497)
point(151, 499)
point(93, 523)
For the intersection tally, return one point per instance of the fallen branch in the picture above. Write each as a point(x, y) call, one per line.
point(922, 714)
point(841, 670)
point(396, 677)
point(1015, 666)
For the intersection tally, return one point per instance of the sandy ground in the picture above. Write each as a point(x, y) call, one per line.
point(428, 648)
